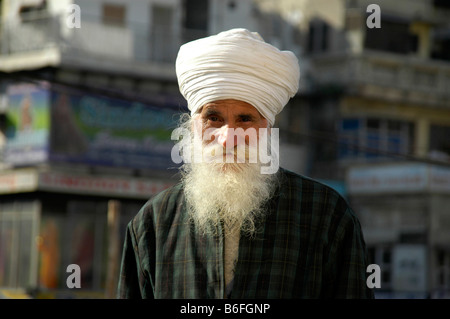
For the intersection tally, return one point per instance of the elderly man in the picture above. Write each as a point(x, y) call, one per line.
point(229, 230)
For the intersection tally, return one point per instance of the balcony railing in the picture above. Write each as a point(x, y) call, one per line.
point(37, 32)
point(133, 42)
point(415, 77)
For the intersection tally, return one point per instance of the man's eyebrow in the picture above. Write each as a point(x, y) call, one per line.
point(249, 115)
point(211, 111)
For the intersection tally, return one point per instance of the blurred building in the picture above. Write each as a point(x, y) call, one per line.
point(88, 107)
point(88, 100)
point(375, 113)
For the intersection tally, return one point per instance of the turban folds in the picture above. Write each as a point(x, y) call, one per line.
point(237, 64)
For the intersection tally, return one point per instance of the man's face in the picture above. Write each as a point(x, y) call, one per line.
point(226, 192)
point(229, 123)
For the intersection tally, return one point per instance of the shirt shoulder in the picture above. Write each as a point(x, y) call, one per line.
point(307, 186)
point(322, 202)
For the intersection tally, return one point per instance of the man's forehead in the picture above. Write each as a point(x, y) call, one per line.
point(234, 105)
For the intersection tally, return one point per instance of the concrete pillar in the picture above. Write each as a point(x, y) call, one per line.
point(422, 30)
point(422, 137)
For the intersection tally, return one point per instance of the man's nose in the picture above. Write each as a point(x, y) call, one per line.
point(226, 136)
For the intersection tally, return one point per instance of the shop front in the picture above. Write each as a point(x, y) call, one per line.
point(404, 213)
point(69, 156)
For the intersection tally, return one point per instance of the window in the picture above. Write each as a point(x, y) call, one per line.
point(440, 142)
point(393, 36)
point(27, 12)
point(19, 222)
point(114, 15)
point(349, 138)
point(444, 4)
point(374, 138)
point(195, 19)
point(84, 241)
point(443, 269)
point(441, 45)
point(163, 41)
point(318, 36)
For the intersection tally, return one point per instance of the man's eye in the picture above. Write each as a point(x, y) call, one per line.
point(213, 118)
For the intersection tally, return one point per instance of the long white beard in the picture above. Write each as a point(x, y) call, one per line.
point(228, 194)
point(232, 195)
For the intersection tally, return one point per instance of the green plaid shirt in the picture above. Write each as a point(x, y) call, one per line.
point(310, 245)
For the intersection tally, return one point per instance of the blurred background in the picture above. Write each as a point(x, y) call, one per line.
point(89, 98)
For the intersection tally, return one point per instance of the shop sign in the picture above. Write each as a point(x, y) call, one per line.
point(409, 268)
point(104, 186)
point(398, 178)
point(27, 124)
point(18, 181)
point(98, 130)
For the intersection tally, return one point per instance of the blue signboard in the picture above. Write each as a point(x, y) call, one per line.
point(98, 130)
point(28, 122)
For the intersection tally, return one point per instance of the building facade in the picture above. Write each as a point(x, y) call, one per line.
point(88, 100)
point(378, 114)
point(88, 108)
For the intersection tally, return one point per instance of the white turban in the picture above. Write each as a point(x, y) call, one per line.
point(237, 64)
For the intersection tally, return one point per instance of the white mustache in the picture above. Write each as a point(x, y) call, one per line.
point(238, 154)
point(194, 149)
